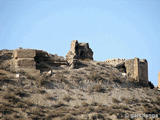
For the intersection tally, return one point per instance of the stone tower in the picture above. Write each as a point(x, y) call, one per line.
point(137, 69)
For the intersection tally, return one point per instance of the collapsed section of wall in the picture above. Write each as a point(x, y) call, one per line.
point(45, 61)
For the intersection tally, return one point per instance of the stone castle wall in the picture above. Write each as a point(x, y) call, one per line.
point(43, 61)
point(135, 68)
point(115, 62)
point(36, 59)
point(24, 58)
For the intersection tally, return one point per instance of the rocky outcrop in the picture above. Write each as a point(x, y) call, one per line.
point(79, 51)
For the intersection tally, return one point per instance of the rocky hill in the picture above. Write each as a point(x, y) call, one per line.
point(36, 85)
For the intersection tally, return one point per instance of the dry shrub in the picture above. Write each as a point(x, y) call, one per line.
point(22, 94)
point(130, 100)
point(67, 98)
point(95, 76)
point(51, 98)
point(42, 91)
point(47, 84)
point(115, 100)
point(97, 88)
point(112, 76)
point(59, 104)
point(97, 116)
point(11, 98)
point(84, 104)
point(59, 76)
point(68, 117)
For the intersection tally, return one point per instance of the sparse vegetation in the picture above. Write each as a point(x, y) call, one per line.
point(67, 98)
point(114, 100)
point(95, 90)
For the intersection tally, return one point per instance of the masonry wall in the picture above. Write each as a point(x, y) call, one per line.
point(45, 61)
point(143, 72)
point(135, 68)
point(129, 64)
point(24, 58)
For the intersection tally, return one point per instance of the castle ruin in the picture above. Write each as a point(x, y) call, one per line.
point(36, 59)
point(24, 58)
point(79, 51)
point(39, 60)
point(134, 68)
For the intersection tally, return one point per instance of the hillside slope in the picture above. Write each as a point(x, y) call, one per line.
point(95, 90)
point(36, 85)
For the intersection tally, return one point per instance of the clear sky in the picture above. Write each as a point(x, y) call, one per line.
point(113, 28)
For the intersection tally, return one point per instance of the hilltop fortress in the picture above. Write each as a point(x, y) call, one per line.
point(41, 61)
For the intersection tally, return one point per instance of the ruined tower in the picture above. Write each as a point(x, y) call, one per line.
point(79, 51)
point(136, 68)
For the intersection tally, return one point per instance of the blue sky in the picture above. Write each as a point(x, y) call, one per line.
point(113, 28)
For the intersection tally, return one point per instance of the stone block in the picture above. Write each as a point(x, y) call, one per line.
point(25, 63)
point(24, 53)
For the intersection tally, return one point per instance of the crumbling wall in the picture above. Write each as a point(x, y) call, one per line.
point(45, 61)
point(135, 68)
point(143, 72)
point(130, 68)
point(79, 51)
point(36, 59)
point(24, 58)
point(115, 62)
